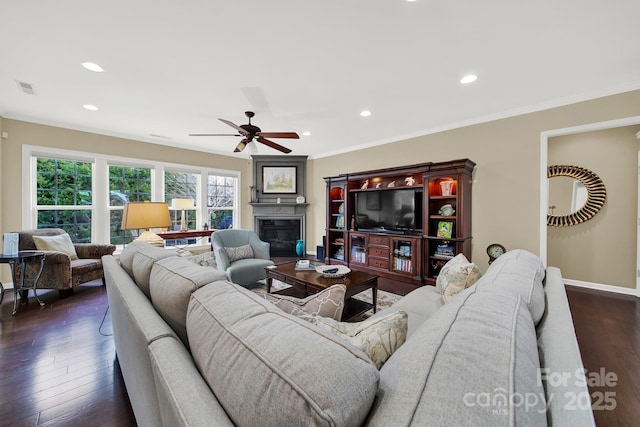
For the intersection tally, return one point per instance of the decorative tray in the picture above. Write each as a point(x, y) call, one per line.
point(333, 271)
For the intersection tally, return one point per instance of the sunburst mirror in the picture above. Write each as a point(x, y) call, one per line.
point(596, 195)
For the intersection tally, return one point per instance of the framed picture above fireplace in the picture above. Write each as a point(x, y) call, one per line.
point(279, 179)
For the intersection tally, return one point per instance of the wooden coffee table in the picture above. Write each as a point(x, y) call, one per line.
point(306, 282)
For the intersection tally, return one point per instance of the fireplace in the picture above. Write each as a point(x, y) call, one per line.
point(279, 218)
point(281, 233)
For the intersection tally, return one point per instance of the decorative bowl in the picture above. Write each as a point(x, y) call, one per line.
point(333, 271)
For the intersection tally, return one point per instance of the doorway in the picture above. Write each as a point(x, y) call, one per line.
point(590, 254)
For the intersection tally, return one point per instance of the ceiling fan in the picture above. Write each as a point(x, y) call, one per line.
point(249, 132)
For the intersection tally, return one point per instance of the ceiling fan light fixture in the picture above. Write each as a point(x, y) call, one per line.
point(90, 107)
point(253, 148)
point(365, 113)
point(306, 133)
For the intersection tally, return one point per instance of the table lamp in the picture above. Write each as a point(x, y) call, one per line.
point(137, 215)
point(182, 204)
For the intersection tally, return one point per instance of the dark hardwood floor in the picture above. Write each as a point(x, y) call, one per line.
point(58, 369)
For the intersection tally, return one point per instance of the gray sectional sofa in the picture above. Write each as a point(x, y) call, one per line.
point(196, 349)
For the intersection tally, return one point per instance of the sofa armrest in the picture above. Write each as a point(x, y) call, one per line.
point(53, 257)
point(93, 250)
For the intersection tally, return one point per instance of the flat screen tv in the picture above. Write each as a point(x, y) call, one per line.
point(386, 210)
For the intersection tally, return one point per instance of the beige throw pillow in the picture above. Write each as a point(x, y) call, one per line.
point(327, 303)
point(240, 252)
point(60, 243)
point(378, 337)
point(455, 276)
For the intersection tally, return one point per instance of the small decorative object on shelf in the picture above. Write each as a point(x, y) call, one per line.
point(300, 247)
point(446, 210)
point(409, 181)
point(365, 185)
point(205, 226)
point(340, 221)
point(445, 229)
point(445, 249)
point(391, 184)
point(446, 187)
point(300, 199)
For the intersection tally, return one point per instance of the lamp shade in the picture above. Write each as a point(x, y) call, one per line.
point(138, 215)
point(182, 204)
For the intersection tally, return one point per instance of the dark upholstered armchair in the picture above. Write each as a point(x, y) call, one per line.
point(60, 271)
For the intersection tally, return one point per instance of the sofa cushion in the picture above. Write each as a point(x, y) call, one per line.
point(143, 261)
point(326, 303)
point(471, 363)
point(126, 256)
point(455, 276)
point(240, 252)
point(171, 282)
point(269, 367)
point(378, 338)
point(60, 243)
point(518, 271)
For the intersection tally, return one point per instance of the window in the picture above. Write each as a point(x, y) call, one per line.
point(63, 196)
point(221, 192)
point(126, 184)
point(181, 185)
point(85, 193)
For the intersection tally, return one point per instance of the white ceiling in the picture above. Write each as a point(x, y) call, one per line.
point(175, 67)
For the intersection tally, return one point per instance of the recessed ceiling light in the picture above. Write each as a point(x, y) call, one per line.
point(90, 107)
point(365, 113)
point(92, 66)
point(468, 79)
point(306, 133)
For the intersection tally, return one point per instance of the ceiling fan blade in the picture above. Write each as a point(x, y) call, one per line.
point(235, 126)
point(291, 135)
point(241, 145)
point(273, 145)
point(214, 134)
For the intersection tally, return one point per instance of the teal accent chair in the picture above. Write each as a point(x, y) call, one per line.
point(245, 271)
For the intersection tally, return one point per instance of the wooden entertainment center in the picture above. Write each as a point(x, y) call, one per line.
point(403, 223)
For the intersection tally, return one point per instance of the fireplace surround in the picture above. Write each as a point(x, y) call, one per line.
point(278, 218)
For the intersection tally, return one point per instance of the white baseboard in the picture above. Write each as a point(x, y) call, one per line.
point(602, 287)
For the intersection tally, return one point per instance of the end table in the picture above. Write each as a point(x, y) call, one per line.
point(22, 258)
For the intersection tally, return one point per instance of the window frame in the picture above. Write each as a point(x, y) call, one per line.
point(100, 207)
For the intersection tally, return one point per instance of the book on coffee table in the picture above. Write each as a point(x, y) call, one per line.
point(306, 265)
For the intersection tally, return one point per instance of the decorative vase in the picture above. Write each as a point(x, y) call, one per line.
point(300, 248)
point(446, 187)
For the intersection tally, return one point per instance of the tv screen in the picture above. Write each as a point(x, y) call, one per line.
point(389, 210)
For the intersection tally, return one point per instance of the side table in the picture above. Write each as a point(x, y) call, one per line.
point(22, 258)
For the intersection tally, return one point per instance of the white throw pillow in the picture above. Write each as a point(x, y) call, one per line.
point(455, 276)
point(59, 243)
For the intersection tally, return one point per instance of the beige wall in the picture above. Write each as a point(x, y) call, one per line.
point(506, 189)
point(603, 249)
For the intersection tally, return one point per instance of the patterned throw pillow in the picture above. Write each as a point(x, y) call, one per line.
point(327, 303)
point(205, 259)
point(59, 243)
point(455, 276)
point(240, 252)
point(377, 337)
